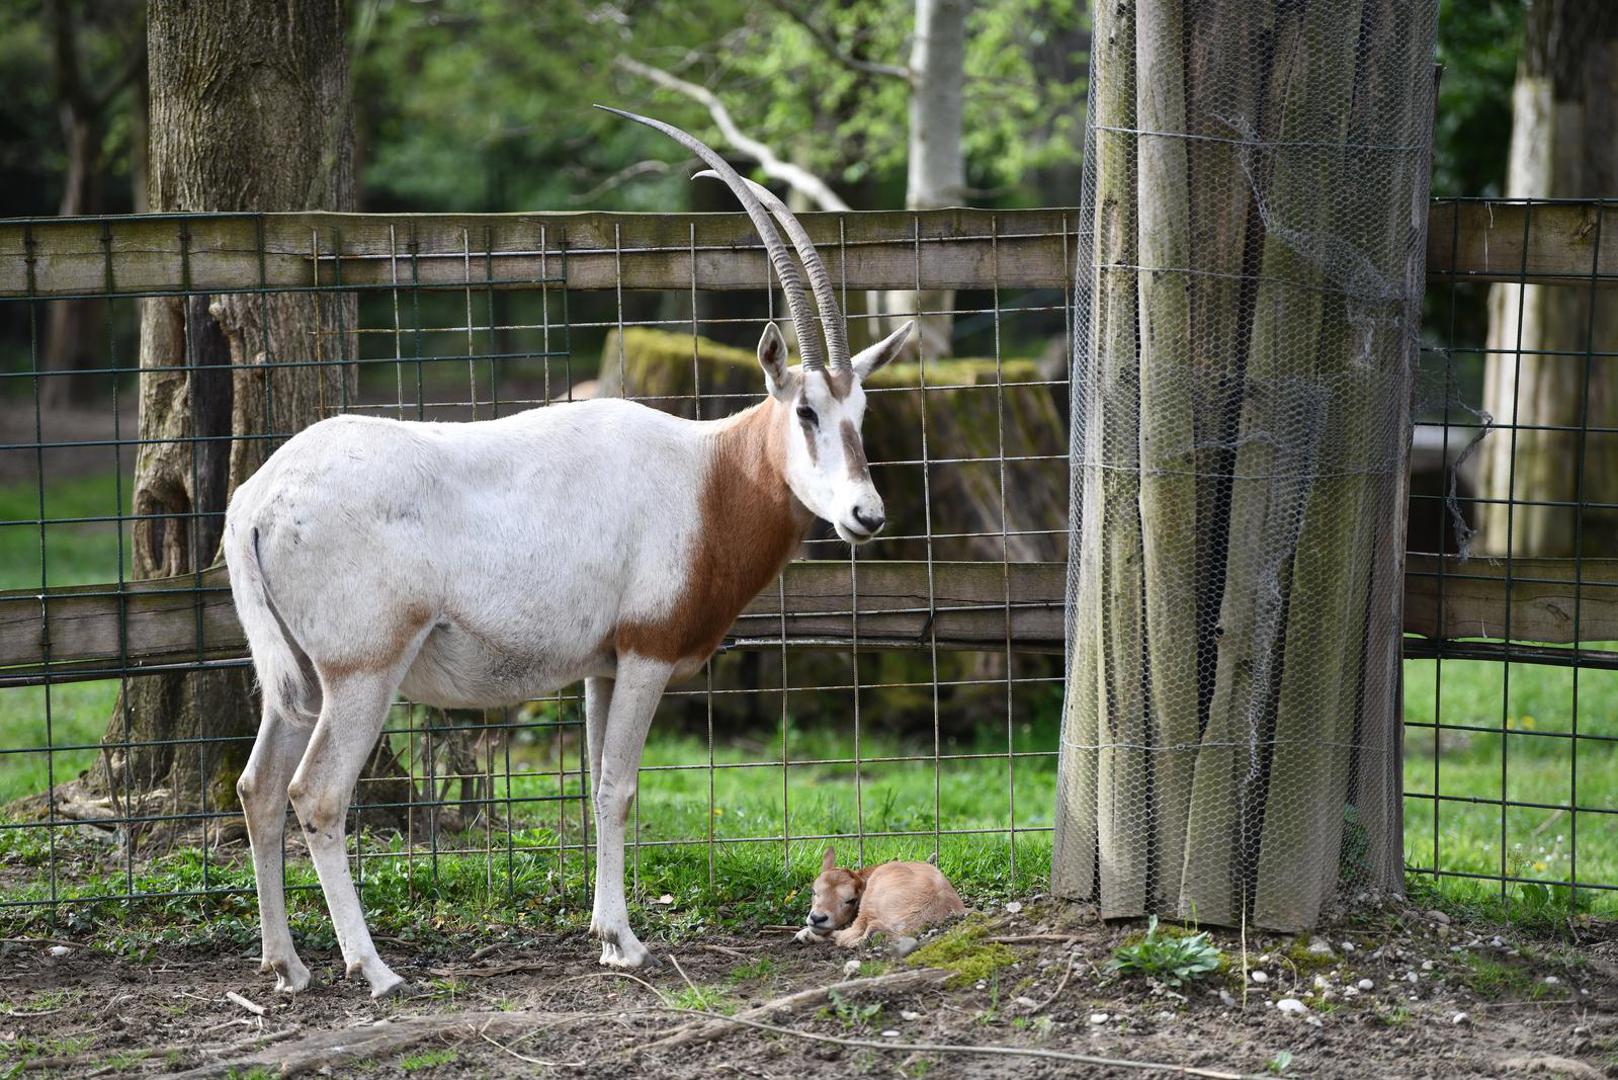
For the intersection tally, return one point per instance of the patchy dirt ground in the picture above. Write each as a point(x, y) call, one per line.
point(1445, 999)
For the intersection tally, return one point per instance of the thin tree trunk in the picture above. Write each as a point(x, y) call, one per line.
point(75, 336)
point(936, 175)
point(1102, 727)
point(1168, 477)
point(1564, 144)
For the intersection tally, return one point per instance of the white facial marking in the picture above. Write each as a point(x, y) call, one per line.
point(826, 456)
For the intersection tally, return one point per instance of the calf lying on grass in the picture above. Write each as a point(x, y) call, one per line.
point(897, 898)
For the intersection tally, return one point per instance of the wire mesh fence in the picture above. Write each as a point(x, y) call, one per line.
point(896, 702)
point(1511, 698)
point(904, 700)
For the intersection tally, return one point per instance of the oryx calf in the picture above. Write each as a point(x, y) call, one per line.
point(481, 564)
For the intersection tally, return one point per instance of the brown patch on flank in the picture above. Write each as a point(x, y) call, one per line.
point(750, 525)
point(854, 451)
point(412, 621)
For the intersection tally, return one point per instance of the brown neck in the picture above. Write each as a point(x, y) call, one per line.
point(751, 521)
point(750, 525)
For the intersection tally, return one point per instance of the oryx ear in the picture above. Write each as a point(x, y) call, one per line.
point(828, 861)
point(772, 357)
point(878, 355)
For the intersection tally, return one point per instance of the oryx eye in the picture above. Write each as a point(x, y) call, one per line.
point(807, 415)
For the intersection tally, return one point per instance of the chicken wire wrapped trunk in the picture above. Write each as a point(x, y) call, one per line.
point(1250, 279)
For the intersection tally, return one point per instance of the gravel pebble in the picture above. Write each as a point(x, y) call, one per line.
point(1099, 1018)
point(1291, 1005)
point(1366, 984)
point(1258, 976)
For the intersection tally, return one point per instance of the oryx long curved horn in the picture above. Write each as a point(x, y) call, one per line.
point(831, 317)
point(810, 349)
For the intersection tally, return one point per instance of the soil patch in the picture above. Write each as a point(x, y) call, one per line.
point(1394, 992)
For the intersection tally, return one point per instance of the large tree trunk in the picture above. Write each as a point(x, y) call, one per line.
point(1564, 144)
point(249, 112)
point(1240, 423)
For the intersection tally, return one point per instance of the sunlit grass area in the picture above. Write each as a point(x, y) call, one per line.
point(1533, 748)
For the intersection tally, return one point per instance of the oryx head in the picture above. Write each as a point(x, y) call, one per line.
point(821, 400)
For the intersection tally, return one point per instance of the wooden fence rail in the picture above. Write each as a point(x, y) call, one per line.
point(92, 631)
point(954, 248)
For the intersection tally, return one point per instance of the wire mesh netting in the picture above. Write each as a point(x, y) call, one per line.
point(1251, 240)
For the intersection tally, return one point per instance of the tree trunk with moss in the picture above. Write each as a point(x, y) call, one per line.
point(977, 409)
point(249, 112)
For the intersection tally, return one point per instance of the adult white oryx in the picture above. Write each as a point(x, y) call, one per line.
point(481, 564)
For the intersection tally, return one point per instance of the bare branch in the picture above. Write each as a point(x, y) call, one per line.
point(834, 49)
point(798, 178)
point(650, 167)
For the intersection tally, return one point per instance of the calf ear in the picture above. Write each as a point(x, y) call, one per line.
point(828, 861)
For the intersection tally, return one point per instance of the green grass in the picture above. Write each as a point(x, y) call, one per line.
point(79, 553)
point(1526, 755)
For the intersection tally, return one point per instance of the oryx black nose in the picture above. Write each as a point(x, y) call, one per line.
point(819, 918)
point(870, 522)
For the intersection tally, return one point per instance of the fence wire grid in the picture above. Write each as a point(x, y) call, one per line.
point(902, 701)
point(897, 702)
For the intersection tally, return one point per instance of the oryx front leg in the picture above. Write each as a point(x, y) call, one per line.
point(350, 721)
point(263, 792)
point(634, 697)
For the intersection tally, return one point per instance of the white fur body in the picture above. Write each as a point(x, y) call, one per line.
point(527, 540)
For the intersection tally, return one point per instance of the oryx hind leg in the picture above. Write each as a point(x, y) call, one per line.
point(262, 788)
point(351, 719)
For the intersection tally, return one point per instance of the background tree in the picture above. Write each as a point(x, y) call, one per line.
point(1564, 143)
point(250, 112)
point(99, 63)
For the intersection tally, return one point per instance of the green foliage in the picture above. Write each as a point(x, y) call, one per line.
point(762, 968)
point(1173, 958)
point(1280, 1063)
point(702, 999)
point(428, 1059)
point(1478, 42)
point(484, 104)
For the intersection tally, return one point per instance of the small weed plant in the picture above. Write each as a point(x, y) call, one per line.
point(1168, 957)
point(848, 1013)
